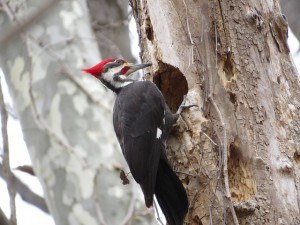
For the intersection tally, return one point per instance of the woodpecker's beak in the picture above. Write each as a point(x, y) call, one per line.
point(133, 68)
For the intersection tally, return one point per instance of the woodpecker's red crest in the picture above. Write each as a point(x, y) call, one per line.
point(98, 68)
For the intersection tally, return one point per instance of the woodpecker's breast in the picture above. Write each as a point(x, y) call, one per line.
point(139, 108)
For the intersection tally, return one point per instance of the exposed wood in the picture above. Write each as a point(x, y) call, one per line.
point(234, 58)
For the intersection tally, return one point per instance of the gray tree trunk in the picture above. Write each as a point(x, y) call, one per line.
point(66, 116)
point(238, 153)
point(291, 9)
point(111, 27)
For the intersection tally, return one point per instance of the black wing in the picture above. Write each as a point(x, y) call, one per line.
point(138, 113)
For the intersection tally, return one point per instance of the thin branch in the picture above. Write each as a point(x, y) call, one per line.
point(3, 218)
point(182, 149)
point(99, 212)
point(210, 216)
point(191, 57)
point(25, 24)
point(11, 112)
point(26, 193)
point(225, 157)
point(224, 211)
point(130, 210)
point(209, 138)
point(192, 203)
point(124, 21)
point(97, 202)
point(188, 24)
point(6, 164)
point(157, 212)
point(216, 36)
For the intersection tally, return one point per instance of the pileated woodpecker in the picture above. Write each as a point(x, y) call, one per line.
point(142, 121)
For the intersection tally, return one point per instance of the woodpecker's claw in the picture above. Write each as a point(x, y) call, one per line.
point(183, 106)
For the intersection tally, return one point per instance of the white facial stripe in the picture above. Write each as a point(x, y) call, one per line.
point(158, 133)
point(109, 77)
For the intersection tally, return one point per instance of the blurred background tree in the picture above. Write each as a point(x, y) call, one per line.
point(66, 117)
point(291, 9)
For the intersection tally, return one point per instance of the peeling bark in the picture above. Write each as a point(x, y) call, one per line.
point(65, 116)
point(238, 153)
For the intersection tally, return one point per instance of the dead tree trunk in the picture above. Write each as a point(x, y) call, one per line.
point(238, 153)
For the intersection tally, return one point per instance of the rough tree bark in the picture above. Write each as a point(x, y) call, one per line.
point(291, 9)
point(65, 116)
point(238, 153)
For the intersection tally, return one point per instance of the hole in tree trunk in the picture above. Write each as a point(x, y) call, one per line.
point(228, 67)
point(241, 182)
point(171, 83)
point(149, 29)
point(297, 158)
point(232, 97)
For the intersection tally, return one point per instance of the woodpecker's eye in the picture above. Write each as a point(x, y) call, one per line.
point(119, 61)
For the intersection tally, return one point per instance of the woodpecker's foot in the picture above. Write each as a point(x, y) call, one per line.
point(184, 106)
point(147, 76)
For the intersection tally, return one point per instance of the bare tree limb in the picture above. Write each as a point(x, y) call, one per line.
point(210, 216)
point(291, 10)
point(130, 211)
point(6, 165)
point(158, 216)
point(8, 36)
point(124, 21)
point(3, 218)
point(98, 208)
point(25, 192)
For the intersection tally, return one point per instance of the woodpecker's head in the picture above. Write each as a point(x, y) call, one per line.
point(114, 72)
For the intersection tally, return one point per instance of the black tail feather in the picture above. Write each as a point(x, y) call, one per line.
point(170, 194)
